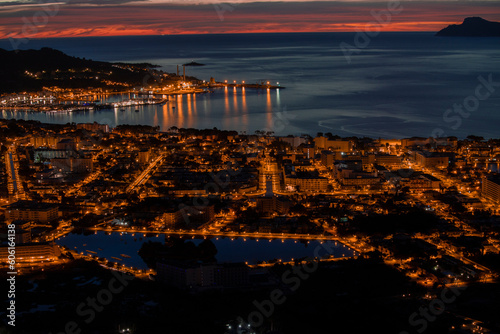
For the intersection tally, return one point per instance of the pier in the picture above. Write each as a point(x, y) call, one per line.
point(243, 84)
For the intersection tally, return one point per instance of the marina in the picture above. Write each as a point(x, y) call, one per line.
point(69, 101)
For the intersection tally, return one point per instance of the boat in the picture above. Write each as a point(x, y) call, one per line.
point(136, 110)
point(89, 251)
point(125, 255)
point(116, 258)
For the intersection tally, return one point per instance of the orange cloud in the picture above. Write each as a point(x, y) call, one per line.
point(152, 19)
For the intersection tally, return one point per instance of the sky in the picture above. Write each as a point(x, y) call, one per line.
point(74, 18)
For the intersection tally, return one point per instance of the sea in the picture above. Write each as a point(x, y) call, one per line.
point(388, 85)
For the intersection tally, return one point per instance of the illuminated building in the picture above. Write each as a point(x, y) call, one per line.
point(491, 188)
point(93, 127)
point(269, 175)
point(144, 156)
point(306, 181)
point(273, 204)
point(31, 211)
point(32, 252)
point(47, 141)
point(388, 160)
point(323, 143)
point(431, 159)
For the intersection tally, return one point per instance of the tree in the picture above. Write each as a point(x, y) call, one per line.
point(475, 138)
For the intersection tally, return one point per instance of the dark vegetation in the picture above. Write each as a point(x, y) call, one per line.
point(31, 70)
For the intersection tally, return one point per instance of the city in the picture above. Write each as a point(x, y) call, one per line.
point(427, 207)
point(246, 167)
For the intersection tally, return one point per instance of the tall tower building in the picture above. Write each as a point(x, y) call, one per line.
point(269, 176)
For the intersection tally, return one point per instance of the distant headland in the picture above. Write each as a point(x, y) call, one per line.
point(472, 27)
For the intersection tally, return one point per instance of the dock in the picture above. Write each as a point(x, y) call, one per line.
point(261, 85)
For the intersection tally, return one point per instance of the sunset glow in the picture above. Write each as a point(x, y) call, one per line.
point(156, 18)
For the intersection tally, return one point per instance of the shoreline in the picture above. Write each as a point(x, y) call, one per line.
point(152, 97)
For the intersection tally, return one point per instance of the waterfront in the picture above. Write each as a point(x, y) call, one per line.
point(401, 85)
point(228, 249)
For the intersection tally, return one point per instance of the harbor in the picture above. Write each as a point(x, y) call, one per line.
point(55, 100)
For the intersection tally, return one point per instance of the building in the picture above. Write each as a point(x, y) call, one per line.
point(31, 211)
point(73, 165)
point(323, 143)
point(231, 275)
point(366, 160)
point(340, 168)
point(328, 158)
point(20, 237)
point(491, 188)
point(350, 173)
point(171, 217)
point(266, 205)
point(187, 214)
point(144, 156)
point(195, 275)
point(185, 275)
point(432, 159)
point(420, 141)
point(32, 252)
point(93, 127)
point(294, 141)
point(66, 144)
point(269, 174)
point(420, 182)
point(308, 150)
point(306, 181)
point(388, 160)
point(37, 141)
point(388, 145)
point(40, 155)
point(359, 179)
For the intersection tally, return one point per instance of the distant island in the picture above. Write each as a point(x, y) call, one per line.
point(472, 27)
point(193, 63)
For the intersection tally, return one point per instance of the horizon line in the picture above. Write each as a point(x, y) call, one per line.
point(223, 33)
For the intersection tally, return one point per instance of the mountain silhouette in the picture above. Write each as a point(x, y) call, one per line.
point(472, 27)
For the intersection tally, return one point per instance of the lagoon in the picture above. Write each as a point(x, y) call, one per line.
point(113, 247)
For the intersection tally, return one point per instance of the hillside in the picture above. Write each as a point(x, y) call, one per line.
point(472, 27)
point(30, 70)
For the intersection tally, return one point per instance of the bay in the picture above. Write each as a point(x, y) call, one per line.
point(397, 85)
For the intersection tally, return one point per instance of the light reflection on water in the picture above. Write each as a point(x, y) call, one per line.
point(229, 249)
point(399, 86)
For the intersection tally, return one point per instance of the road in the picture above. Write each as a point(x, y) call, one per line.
point(207, 233)
point(146, 174)
point(14, 182)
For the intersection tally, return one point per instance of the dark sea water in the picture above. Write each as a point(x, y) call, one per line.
point(398, 85)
